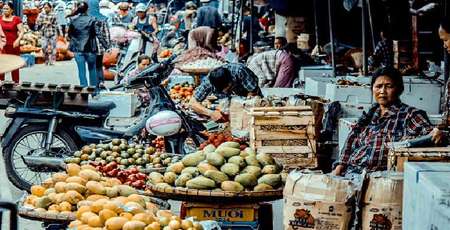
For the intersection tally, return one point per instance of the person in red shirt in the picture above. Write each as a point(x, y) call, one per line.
point(13, 29)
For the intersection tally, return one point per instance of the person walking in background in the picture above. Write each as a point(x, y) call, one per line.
point(60, 13)
point(13, 28)
point(103, 38)
point(83, 43)
point(46, 24)
point(208, 16)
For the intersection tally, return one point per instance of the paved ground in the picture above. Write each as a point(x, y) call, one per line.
point(66, 72)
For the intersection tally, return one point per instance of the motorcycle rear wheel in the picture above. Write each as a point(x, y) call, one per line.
point(21, 139)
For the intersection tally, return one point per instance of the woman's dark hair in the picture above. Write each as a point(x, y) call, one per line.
point(82, 8)
point(283, 40)
point(445, 24)
point(391, 72)
point(386, 30)
point(47, 4)
point(11, 5)
point(220, 78)
point(143, 57)
point(223, 28)
point(190, 5)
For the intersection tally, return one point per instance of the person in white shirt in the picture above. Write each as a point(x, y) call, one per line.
point(61, 21)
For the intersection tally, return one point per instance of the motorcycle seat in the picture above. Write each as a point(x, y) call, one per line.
point(101, 106)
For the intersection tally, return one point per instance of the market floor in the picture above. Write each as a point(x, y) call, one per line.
point(66, 72)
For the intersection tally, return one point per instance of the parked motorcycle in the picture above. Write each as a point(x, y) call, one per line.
point(40, 137)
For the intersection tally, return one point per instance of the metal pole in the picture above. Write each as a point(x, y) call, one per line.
point(316, 25)
point(364, 44)
point(330, 24)
point(233, 11)
point(251, 26)
point(241, 17)
point(369, 9)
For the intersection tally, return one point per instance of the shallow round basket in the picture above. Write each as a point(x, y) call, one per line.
point(195, 70)
point(31, 214)
point(183, 194)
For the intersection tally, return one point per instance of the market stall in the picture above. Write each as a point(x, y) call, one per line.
point(123, 162)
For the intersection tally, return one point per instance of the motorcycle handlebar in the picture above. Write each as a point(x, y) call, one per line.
point(146, 74)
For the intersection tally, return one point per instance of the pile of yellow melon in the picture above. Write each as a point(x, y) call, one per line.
point(100, 203)
point(117, 217)
point(65, 192)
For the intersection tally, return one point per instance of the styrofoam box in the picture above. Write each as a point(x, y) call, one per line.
point(423, 94)
point(317, 86)
point(126, 103)
point(344, 129)
point(441, 218)
point(426, 187)
point(348, 94)
point(315, 71)
point(281, 92)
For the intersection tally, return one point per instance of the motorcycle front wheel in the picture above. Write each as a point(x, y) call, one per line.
point(181, 144)
point(30, 141)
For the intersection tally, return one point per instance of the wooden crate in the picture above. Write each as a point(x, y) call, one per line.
point(397, 157)
point(287, 133)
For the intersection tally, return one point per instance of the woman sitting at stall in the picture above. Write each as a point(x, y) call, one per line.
point(389, 120)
